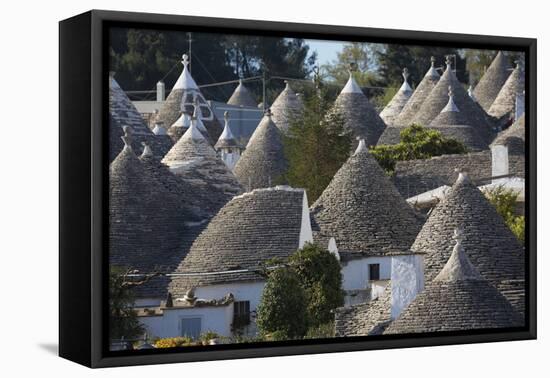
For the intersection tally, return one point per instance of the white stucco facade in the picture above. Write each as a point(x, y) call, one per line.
point(217, 319)
point(407, 281)
point(242, 291)
point(355, 273)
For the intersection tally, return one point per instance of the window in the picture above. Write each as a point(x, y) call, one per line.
point(191, 327)
point(241, 314)
point(374, 272)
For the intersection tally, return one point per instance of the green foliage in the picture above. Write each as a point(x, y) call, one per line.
point(123, 321)
point(320, 275)
point(360, 56)
point(173, 342)
point(416, 142)
point(323, 331)
point(504, 200)
point(315, 147)
point(281, 313)
point(143, 57)
point(383, 99)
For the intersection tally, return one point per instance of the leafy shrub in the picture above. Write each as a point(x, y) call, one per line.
point(504, 200)
point(173, 342)
point(282, 308)
point(320, 275)
point(323, 331)
point(416, 142)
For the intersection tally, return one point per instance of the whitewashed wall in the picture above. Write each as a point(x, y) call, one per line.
point(407, 281)
point(242, 291)
point(355, 273)
point(215, 319)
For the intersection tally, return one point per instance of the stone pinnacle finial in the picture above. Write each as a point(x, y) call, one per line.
point(405, 73)
point(147, 151)
point(185, 60)
point(462, 175)
point(517, 63)
point(226, 116)
point(112, 74)
point(448, 60)
point(432, 60)
point(268, 113)
point(127, 137)
point(458, 236)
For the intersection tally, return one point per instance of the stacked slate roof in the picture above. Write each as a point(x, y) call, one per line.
point(420, 94)
point(182, 99)
point(513, 137)
point(413, 177)
point(486, 91)
point(437, 100)
point(360, 117)
point(504, 105)
point(286, 108)
point(242, 97)
point(262, 163)
point(248, 231)
point(363, 211)
point(493, 249)
point(453, 123)
point(458, 298)
point(122, 112)
point(193, 158)
point(227, 140)
point(146, 221)
point(397, 103)
point(364, 319)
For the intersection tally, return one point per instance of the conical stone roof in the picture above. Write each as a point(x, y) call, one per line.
point(242, 97)
point(363, 211)
point(182, 98)
point(452, 123)
point(486, 91)
point(146, 221)
point(513, 137)
point(123, 113)
point(262, 163)
point(398, 102)
point(420, 94)
point(490, 245)
point(286, 107)
point(193, 158)
point(437, 100)
point(251, 229)
point(227, 139)
point(459, 298)
point(360, 117)
point(505, 103)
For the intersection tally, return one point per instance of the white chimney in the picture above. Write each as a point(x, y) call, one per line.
point(499, 155)
point(161, 91)
point(407, 280)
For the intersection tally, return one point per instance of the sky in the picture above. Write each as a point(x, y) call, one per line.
point(326, 50)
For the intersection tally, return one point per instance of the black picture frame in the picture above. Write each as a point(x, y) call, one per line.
point(83, 181)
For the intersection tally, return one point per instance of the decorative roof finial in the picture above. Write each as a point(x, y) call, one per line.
point(518, 63)
point(448, 61)
point(127, 137)
point(112, 74)
point(405, 73)
point(147, 152)
point(432, 60)
point(185, 60)
point(462, 175)
point(268, 113)
point(226, 117)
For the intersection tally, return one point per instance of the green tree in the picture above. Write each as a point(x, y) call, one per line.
point(320, 275)
point(281, 313)
point(315, 146)
point(505, 201)
point(359, 56)
point(123, 320)
point(416, 142)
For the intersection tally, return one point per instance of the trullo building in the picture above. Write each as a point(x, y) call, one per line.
point(490, 84)
point(397, 103)
point(286, 108)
